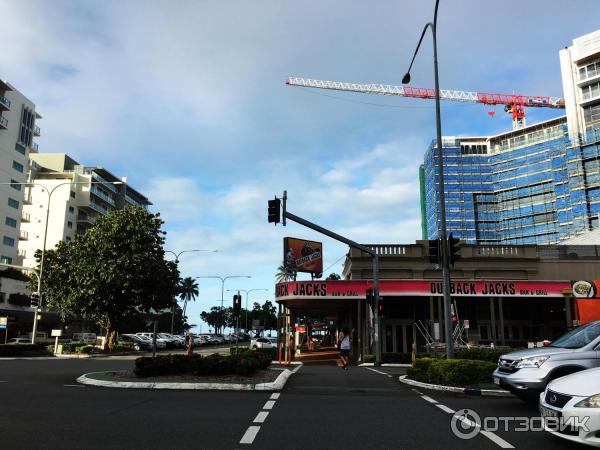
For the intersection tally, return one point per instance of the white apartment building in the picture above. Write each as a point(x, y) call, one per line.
point(17, 130)
point(580, 69)
point(77, 194)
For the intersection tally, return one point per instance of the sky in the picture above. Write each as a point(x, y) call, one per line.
point(187, 100)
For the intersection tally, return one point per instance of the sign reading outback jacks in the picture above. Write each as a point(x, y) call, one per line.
point(399, 288)
point(303, 256)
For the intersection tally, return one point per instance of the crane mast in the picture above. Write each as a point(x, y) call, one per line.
point(514, 104)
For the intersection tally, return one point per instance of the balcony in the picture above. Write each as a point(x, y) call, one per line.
point(36, 130)
point(27, 200)
point(23, 235)
point(97, 192)
point(108, 184)
point(85, 219)
point(25, 217)
point(34, 147)
point(98, 208)
point(22, 253)
point(3, 123)
point(4, 103)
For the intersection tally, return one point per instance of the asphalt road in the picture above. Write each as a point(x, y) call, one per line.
point(322, 407)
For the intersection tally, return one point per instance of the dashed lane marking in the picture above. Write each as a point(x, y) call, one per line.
point(496, 439)
point(269, 404)
point(428, 399)
point(250, 434)
point(73, 385)
point(379, 372)
point(260, 417)
point(275, 395)
point(445, 408)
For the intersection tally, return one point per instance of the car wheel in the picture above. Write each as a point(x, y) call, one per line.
point(254, 347)
point(136, 348)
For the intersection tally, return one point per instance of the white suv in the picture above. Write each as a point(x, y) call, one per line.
point(263, 342)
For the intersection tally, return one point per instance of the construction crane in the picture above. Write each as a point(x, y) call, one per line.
point(514, 104)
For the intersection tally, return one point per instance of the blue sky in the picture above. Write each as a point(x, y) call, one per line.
point(187, 99)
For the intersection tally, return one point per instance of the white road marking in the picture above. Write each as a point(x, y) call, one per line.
point(414, 390)
point(429, 399)
point(260, 417)
point(488, 434)
point(275, 395)
point(250, 434)
point(496, 439)
point(73, 385)
point(379, 372)
point(445, 408)
point(269, 404)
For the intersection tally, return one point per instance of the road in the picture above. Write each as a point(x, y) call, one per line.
point(322, 407)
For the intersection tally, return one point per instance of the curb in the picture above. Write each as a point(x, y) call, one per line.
point(276, 385)
point(458, 390)
point(406, 366)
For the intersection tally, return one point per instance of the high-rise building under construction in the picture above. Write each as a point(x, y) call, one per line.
point(533, 185)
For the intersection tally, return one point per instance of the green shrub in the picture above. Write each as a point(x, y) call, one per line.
point(369, 358)
point(24, 350)
point(87, 349)
point(243, 363)
point(452, 372)
point(482, 353)
point(271, 353)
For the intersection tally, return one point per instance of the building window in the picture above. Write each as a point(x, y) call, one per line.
point(20, 148)
point(68, 238)
point(8, 241)
point(72, 194)
point(26, 134)
point(18, 166)
point(15, 185)
point(13, 203)
point(69, 224)
point(11, 222)
point(71, 210)
point(5, 260)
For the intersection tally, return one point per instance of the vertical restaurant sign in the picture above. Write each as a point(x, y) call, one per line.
point(303, 256)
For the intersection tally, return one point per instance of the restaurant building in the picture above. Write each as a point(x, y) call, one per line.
point(508, 295)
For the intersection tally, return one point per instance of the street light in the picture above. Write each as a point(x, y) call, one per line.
point(50, 192)
point(247, 294)
point(223, 282)
point(438, 126)
point(177, 255)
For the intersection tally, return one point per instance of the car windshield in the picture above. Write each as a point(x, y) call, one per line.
point(578, 337)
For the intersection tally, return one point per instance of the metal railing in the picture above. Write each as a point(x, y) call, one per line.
point(3, 122)
point(4, 101)
point(36, 130)
point(25, 217)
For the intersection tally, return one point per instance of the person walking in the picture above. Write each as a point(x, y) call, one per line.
point(344, 343)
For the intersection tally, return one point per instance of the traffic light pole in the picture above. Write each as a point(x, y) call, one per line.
point(374, 256)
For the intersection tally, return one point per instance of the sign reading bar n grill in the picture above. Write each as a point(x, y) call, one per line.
point(300, 255)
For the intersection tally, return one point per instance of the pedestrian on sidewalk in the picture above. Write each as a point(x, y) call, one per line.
point(344, 344)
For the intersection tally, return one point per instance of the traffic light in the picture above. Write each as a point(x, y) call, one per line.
point(370, 297)
point(453, 249)
point(237, 303)
point(435, 256)
point(274, 210)
point(35, 299)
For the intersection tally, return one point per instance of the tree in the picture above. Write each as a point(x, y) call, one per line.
point(188, 291)
point(283, 274)
point(216, 318)
point(114, 271)
point(333, 276)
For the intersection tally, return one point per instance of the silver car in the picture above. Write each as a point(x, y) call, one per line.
point(526, 373)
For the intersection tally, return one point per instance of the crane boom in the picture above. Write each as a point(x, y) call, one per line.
point(514, 103)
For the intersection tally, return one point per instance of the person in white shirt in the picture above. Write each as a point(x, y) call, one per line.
point(344, 345)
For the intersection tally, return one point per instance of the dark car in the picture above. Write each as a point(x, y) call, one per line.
point(138, 343)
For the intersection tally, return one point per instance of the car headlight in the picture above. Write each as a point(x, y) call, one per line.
point(533, 362)
point(590, 402)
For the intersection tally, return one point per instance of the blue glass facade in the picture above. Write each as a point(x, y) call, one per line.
point(529, 186)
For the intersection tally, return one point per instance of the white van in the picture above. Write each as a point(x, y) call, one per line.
point(84, 338)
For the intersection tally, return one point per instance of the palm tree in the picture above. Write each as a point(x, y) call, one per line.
point(284, 274)
point(188, 291)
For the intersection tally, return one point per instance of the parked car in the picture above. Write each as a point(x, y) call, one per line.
point(171, 341)
point(262, 342)
point(138, 342)
point(526, 373)
point(19, 341)
point(160, 342)
point(571, 399)
point(217, 339)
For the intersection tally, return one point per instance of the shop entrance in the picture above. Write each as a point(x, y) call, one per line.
point(399, 336)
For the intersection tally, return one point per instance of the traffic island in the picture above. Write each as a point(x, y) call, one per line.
point(270, 379)
point(459, 390)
